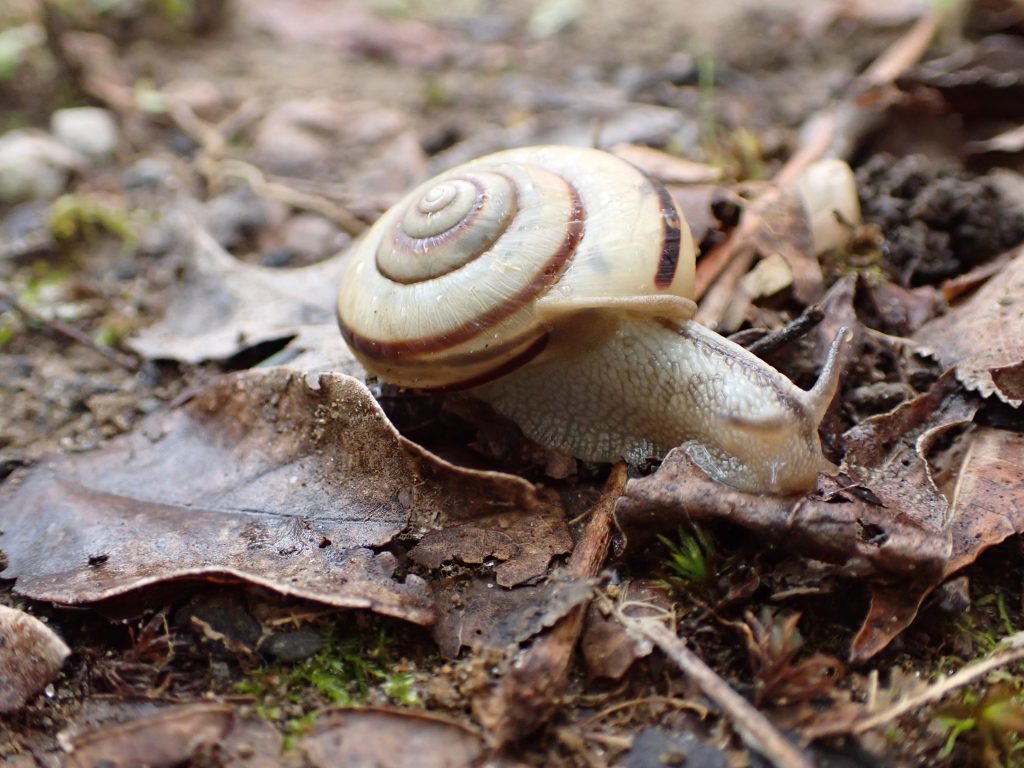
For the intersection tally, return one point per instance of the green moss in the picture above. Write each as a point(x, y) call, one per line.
point(7, 328)
point(84, 217)
point(352, 668)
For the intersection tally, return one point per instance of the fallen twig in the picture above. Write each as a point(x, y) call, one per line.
point(1011, 651)
point(807, 320)
point(528, 695)
point(753, 728)
point(832, 132)
point(61, 328)
point(215, 167)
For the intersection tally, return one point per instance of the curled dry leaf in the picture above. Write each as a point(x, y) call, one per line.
point(368, 736)
point(987, 506)
point(882, 518)
point(178, 735)
point(981, 338)
point(225, 306)
point(836, 524)
point(266, 477)
point(31, 656)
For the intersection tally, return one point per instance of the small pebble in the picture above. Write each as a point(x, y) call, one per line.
point(34, 166)
point(89, 130)
point(293, 646)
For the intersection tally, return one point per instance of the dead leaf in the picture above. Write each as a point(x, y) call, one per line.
point(526, 544)
point(608, 649)
point(478, 613)
point(265, 477)
point(780, 225)
point(225, 306)
point(835, 524)
point(887, 454)
point(893, 607)
point(982, 335)
point(988, 502)
point(31, 656)
point(176, 736)
point(393, 738)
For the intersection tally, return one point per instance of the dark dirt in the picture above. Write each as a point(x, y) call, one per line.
point(469, 79)
point(938, 221)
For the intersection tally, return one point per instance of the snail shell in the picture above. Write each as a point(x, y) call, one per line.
point(448, 288)
point(554, 283)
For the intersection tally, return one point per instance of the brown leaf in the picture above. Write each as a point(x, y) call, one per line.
point(893, 607)
point(525, 542)
point(225, 306)
point(608, 649)
point(265, 477)
point(988, 502)
point(175, 736)
point(887, 453)
point(478, 613)
point(983, 335)
point(986, 508)
point(31, 656)
point(782, 227)
point(835, 524)
point(391, 737)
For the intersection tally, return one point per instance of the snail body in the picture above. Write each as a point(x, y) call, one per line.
point(554, 283)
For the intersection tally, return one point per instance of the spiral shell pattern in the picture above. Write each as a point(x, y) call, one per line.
point(442, 290)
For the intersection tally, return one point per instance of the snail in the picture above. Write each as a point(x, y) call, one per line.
point(554, 283)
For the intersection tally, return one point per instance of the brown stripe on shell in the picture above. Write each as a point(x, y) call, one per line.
point(491, 374)
point(413, 245)
point(671, 236)
point(377, 349)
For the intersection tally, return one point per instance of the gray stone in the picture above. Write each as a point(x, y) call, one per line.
point(89, 130)
point(33, 166)
point(148, 173)
point(296, 645)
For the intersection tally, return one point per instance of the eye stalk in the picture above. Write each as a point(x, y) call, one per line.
point(555, 283)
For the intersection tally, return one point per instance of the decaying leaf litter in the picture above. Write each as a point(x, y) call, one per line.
point(284, 484)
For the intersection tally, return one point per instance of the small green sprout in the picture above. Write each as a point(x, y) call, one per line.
point(690, 558)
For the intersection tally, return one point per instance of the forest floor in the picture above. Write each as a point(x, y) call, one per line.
point(250, 143)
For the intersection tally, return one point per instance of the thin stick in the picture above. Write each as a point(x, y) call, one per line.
point(753, 728)
point(1012, 651)
point(215, 168)
point(68, 331)
point(833, 130)
point(807, 319)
